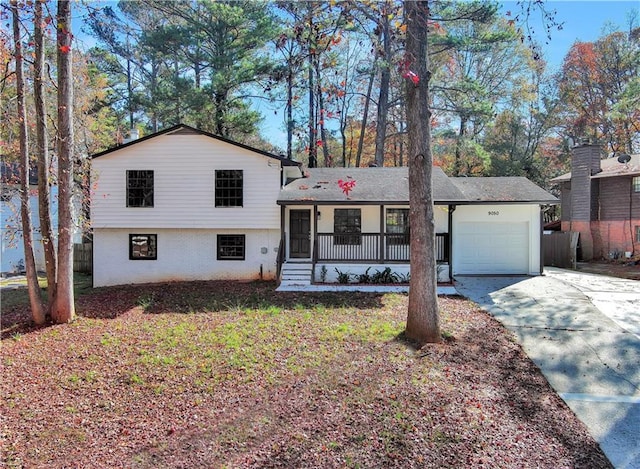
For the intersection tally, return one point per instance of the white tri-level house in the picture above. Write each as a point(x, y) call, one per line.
point(183, 204)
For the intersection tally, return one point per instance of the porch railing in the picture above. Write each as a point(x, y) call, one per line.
point(280, 258)
point(371, 247)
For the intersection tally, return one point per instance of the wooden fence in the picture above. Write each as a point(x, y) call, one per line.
point(83, 258)
point(560, 249)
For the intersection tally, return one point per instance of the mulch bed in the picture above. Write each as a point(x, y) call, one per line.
point(224, 374)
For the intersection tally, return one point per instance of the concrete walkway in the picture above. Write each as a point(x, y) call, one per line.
point(591, 360)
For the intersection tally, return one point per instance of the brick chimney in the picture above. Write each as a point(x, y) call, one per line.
point(134, 134)
point(585, 162)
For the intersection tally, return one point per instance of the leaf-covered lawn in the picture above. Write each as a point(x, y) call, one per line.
point(223, 374)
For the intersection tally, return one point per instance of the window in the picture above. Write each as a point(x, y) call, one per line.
point(347, 220)
point(229, 188)
point(231, 247)
point(398, 226)
point(636, 184)
point(139, 188)
point(8, 192)
point(143, 247)
point(637, 234)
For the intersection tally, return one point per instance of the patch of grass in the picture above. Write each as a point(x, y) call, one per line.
point(82, 284)
point(109, 340)
point(134, 378)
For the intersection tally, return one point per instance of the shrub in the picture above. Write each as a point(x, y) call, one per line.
point(343, 277)
point(365, 277)
point(384, 276)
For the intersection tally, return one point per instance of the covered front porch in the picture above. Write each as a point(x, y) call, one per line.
point(353, 245)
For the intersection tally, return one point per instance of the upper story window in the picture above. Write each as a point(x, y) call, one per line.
point(229, 184)
point(140, 188)
point(347, 220)
point(636, 184)
point(398, 225)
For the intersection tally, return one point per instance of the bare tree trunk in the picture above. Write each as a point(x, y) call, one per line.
point(290, 112)
point(313, 149)
point(321, 111)
point(63, 309)
point(422, 316)
point(365, 114)
point(383, 99)
point(42, 145)
point(462, 131)
point(35, 299)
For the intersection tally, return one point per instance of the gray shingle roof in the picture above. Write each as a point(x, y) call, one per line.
point(391, 186)
point(611, 167)
point(502, 189)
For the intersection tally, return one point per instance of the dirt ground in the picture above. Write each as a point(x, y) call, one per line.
point(629, 270)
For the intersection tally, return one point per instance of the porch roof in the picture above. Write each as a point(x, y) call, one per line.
point(390, 186)
point(372, 186)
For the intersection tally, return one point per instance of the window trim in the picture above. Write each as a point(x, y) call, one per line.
point(350, 237)
point(153, 244)
point(220, 245)
point(401, 238)
point(637, 233)
point(129, 175)
point(222, 195)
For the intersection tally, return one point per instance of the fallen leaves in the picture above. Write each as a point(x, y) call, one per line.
point(210, 374)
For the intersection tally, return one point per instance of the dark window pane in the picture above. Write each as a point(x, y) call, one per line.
point(143, 246)
point(139, 188)
point(398, 226)
point(228, 185)
point(347, 220)
point(231, 247)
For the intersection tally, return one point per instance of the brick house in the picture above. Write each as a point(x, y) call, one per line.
point(600, 199)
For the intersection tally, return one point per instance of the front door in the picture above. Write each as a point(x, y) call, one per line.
point(300, 233)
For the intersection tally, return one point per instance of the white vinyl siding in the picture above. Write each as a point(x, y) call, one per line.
point(184, 191)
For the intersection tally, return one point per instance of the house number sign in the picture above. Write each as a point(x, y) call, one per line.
point(494, 213)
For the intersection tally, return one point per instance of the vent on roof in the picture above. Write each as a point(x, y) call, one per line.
point(624, 158)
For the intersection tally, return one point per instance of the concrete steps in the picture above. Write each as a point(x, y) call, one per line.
point(295, 275)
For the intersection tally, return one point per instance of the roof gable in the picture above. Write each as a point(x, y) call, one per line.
point(182, 129)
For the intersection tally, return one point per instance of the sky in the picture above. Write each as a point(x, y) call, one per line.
point(582, 20)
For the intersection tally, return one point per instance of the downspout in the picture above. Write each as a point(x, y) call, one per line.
point(541, 251)
point(452, 208)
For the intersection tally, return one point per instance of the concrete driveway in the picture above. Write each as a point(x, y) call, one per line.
point(583, 331)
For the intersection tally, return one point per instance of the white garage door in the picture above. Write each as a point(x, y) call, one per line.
point(491, 248)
